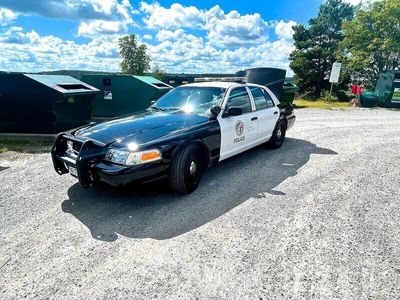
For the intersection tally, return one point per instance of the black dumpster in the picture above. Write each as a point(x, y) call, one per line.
point(270, 77)
point(32, 103)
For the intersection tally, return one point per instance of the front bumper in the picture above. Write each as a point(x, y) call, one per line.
point(87, 158)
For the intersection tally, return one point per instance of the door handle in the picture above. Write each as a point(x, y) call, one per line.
point(275, 113)
point(254, 119)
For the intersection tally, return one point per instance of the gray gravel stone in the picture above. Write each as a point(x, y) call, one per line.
point(316, 219)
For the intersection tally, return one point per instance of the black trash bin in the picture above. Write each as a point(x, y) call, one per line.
point(272, 78)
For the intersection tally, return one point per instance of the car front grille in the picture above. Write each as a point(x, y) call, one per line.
point(73, 147)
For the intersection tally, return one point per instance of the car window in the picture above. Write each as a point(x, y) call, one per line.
point(239, 98)
point(191, 99)
point(268, 98)
point(259, 98)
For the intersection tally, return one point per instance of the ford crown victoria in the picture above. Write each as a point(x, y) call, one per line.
point(178, 137)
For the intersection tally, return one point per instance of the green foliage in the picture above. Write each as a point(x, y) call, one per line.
point(135, 60)
point(372, 40)
point(316, 47)
point(158, 73)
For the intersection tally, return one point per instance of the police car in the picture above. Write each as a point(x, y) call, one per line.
point(178, 137)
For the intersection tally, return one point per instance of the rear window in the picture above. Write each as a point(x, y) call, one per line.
point(261, 98)
point(268, 98)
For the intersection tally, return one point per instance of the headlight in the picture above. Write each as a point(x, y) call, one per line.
point(132, 158)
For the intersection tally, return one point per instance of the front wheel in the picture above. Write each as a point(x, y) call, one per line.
point(278, 136)
point(186, 170)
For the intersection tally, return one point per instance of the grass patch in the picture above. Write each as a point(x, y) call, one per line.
point(301, 103)
point(26, 144)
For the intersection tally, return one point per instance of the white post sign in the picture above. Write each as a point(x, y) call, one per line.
point(335, 73)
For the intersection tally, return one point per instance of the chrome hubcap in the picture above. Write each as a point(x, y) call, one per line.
point(193, 168)
point(279, 133)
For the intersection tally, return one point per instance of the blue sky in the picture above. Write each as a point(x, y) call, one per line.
point(185, 36)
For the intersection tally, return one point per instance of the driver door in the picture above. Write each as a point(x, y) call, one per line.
point(238, 133)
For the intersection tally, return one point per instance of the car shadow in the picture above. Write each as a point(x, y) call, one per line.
point(153, 211)
point(3, 168)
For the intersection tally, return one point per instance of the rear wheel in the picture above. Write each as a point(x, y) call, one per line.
point(278, 136)
point(186, 170)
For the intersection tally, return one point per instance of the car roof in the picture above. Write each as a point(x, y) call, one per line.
point(228, 84)
point(217, 84)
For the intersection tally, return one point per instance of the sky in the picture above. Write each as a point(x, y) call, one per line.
point(193, 36)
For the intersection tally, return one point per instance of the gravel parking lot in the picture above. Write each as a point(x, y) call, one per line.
point(317, 219)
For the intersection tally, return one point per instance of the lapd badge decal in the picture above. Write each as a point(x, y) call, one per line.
point(239, 128)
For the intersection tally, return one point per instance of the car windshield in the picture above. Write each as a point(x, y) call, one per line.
point(191, 99)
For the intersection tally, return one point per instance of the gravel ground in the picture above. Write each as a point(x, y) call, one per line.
point(316, 219)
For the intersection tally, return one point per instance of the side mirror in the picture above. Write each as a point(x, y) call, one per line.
point(215, 110)
point(234, 111)
point(153, 102)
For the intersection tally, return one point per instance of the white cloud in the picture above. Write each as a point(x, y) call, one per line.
point(234, 29)
point(148, 37)
point(223, 29)
point(182, 52)
point(164, 35)
point(227, 42)
point(177, 16)
point(29, 51)
point(96, 16)
point(98, 27)
point(364, 3)
point(72, 9)
point(7, 16)
point(285, 29)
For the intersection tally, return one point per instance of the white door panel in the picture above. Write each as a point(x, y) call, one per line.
point(267, 112)
point(267, 119)
point(238, 134)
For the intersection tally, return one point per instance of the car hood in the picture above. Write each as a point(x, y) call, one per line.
point(141, 128)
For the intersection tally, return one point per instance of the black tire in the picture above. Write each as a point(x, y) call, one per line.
point(186, 169)
point(278, 136)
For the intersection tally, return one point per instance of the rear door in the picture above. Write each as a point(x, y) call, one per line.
point(238, 133)
point(267, 113)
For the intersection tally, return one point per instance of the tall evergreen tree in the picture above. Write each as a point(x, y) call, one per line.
point(316, 46)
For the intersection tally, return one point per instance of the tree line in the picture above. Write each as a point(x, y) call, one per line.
point(365, 39)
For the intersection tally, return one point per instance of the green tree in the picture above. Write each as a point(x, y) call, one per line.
point(316, 46)
point(371, 41)
point(135, 60)
point(158, 73)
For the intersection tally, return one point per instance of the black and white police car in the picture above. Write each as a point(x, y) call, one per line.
point(186, 131)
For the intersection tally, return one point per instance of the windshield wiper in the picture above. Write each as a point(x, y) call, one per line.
point(156, 108)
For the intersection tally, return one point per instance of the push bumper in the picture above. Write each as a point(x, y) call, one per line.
point(87, 159)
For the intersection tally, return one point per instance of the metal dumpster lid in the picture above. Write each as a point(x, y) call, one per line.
point(63, 84)
point(153, 81)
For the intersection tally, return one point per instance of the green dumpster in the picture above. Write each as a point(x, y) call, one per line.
point(123, 94)
point(32, 103)
point(289, 92)
point(387, 91)
point(370, 99)
point(388, 86)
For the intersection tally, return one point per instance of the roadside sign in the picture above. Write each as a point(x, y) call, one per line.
point(335, 73)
